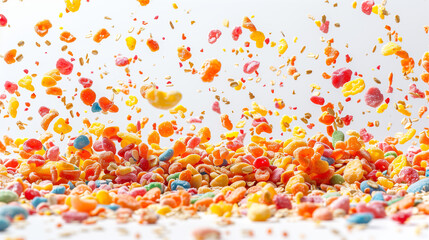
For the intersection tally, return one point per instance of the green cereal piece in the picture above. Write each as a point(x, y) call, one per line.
point(8, 196)
point(337, 136)
point(155, 185)
point(394, 200)
point(391, 153)
point(332, 194)
point(337, 179)
point(173, 176)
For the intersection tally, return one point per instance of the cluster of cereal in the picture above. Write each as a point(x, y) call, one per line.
point(320, 177)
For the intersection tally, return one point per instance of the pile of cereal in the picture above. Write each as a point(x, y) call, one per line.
point(91, 170)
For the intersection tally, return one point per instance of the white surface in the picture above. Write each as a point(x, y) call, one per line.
point(42, 227)
point(357, 30)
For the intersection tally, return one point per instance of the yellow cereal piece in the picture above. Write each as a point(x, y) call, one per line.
point(407, 136)
point(397, 164)
point(299, 132)
point(259, 109)
point(96, 128)
point(26, 82)
point(258, 37)
point(353, 87)
point(13, 107)
point(390, 48)
point(132, 100)
point(382, 108)
point(403, 110)
point(258, 212)
point(162, 100)
point(282, 46)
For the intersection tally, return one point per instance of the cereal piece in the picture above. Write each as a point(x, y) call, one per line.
point(353, 87)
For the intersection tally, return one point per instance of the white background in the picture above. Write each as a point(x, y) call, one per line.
point(358, 31)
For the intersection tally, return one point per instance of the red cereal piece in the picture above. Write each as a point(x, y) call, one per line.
point(65, 67)
point(374, 97)
point(251, 67)
point(367, 6)
point(317, 100)
point(341, 76)
point(214, 35)
point(236, 33)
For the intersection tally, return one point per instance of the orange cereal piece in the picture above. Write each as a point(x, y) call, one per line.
point(9, 58)
point(143, 2)
point(263, 127)
point(236, 195)
point(153, 137)
point(67, 37)
point(152, 44)
point(166, 129)
point(226, 123)
point(210, 69)
point(306, 209)
point(88, 96)
point(247, 24)
point(56, 91)
point(183, 53)
point(42, 27)
point(100, 35)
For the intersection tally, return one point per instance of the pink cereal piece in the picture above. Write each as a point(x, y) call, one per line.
point(206, 233)
point(402, 216)
point(194, 120)
point(282, 201)
point(367, 7)
point(341, 76)
point(323, 214)
point(408, 175)
point(214, 35)
point(86, 82)
point(251, 67)
point(193, 142)
point(341, 203)
point(43, 111)
point(324, 27)
point(236, 33)
point(53, 153)
point(317, 100)
point(74, 216)
point(122, 61)
point(216, 107)
point(10, 87)
point(65, 67)
point(365, 136)
point(373, 97)
point(415, 92)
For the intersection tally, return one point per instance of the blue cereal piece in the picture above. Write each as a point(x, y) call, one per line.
point(10, 211)
point(373, 186)
point(112, 207)
point(377, 196)
point(427, 172)
point(180, 183)
point(330, 161)
point(81, 142)
point(419, 186)
point(59, 190)
point(38, 200)
point(71, 185)
point(96, 107)
point(360, 218)
point(4, 223)
point(167, 155)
